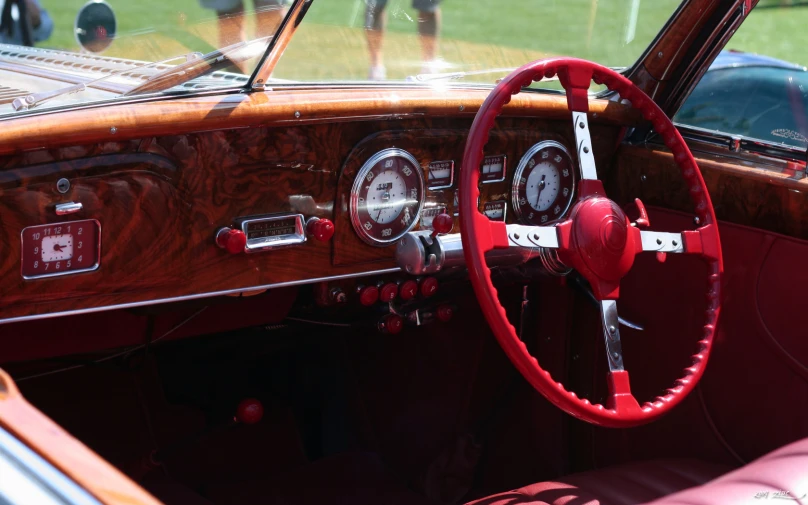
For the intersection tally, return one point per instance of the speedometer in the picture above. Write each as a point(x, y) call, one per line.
point(387, 197)
point(543, 184)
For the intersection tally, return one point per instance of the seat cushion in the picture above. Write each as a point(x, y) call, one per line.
point(629, 484)
point(780, 476)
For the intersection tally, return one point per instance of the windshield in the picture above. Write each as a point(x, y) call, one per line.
point(358, 40)
point(65, 52)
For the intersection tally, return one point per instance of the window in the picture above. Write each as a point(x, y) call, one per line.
point(762, 96)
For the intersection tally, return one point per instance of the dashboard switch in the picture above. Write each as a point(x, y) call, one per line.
point(445, 313)
point(442, 224)
point(233, 241)
point(249, 411)
point(368, 295)
point(338, 296)
point(320, 229)
point(428, 286)
point(391, 324)
point(388, 292)
point(408, 290)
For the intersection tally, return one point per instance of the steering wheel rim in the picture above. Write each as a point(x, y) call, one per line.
point(575, 241)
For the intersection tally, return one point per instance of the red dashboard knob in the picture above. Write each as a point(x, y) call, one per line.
point(391, 324)
point(442, 224)
point(408, 290)
point(368, 295)
point(429, 286)
point(320, 229)
point(233, 241)
point(388, 292)
point(249, 411)
point(445, 313)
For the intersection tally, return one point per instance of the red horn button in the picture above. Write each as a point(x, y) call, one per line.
point(603, 247)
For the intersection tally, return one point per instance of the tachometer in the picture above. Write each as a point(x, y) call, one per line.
point(387, 197)
point(543, 184)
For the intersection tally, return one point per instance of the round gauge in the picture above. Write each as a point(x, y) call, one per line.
point(543, 184)
point(387, 197)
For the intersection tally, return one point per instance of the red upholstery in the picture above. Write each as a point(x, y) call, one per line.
point(671, 482)
point(629, 484)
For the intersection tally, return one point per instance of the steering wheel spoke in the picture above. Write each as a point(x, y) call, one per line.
point(583, 145)
point(611, 334)
point(533, 236)
point(658, 241)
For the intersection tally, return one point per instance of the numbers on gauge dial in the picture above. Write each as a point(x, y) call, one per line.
point(387, 196)
point(543, 184)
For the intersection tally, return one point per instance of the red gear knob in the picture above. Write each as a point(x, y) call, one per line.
point(442, 224)
point(320, 229)
point(249, 411)
point(233, 241)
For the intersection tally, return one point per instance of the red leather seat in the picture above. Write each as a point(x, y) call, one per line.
point(675, 482)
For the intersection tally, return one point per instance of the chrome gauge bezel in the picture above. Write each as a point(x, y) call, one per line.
point(357, 186)
point(520, 169)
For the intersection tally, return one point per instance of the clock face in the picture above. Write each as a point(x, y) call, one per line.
point(57, 247)
point(387, 197)
point(543, 184)
point(65, 248)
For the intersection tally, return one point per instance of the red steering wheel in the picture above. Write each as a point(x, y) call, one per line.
point(597, 240)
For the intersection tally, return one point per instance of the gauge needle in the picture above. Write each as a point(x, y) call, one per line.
point(58, 247)
point(541, 187)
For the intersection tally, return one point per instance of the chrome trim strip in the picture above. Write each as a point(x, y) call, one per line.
point(274, 242)
point(42, 472)
point(198, 296)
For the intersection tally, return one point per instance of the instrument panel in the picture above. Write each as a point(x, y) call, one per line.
point(225, 211)
point(388, 197)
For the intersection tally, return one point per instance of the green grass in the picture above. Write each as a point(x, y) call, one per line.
point(475, 33)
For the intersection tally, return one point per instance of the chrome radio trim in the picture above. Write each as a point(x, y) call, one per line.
point(68, 272)
point(277, 242)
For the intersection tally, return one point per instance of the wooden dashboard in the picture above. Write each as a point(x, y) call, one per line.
point(160, 198)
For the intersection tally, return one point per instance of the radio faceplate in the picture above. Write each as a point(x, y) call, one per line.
point(272, 232)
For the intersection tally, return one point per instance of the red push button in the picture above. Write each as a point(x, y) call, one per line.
point(392, 324)
point(429, 286)
point(388, 292)
point(368, 295)
point(233, 241)
point(249, 411)
point(320, 229)
point(408, 290)
point(445, 313)
point(442, 224)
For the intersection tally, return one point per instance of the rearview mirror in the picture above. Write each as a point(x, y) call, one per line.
point(95, 26)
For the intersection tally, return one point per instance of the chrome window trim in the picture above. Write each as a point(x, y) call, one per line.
point(760, 153)
point(41, 472)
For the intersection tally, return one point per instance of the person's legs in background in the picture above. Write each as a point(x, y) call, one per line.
point(428, 29)
point(268, 16)
point(375, 19)
point(231, 19)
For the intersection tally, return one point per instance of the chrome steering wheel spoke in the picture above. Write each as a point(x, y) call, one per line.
point(611, 334)
point(658, 241)
point(532, 236)
point(583, 146)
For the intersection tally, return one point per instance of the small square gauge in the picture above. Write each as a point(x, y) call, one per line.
point(495, 211)
point(440, 174)
point(493, 168)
